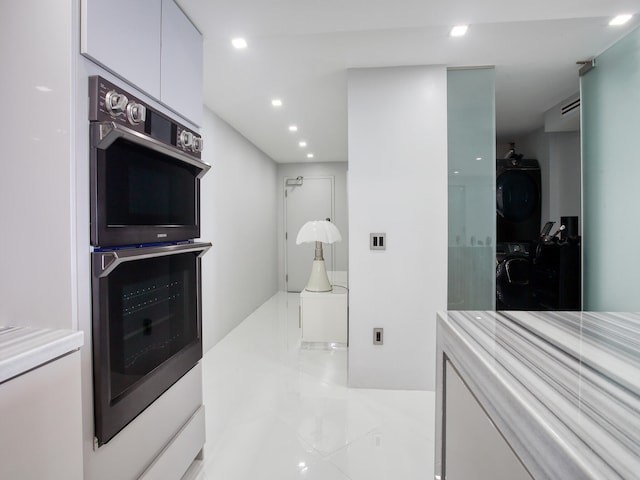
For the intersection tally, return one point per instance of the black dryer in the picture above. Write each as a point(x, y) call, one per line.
point(518, 200)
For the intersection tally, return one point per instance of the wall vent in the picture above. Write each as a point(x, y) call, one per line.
point(570, 107)
point(564, 116)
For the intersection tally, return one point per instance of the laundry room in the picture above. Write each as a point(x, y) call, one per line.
point(538, 213)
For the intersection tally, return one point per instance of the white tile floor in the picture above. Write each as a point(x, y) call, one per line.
point(278, 411)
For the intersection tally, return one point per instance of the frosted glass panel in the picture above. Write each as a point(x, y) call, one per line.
point(472, 171)
point(611, 175)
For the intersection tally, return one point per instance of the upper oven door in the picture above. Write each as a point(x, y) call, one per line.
point(142, 191)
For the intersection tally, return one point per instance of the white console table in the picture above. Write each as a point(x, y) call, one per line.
point(324, 315)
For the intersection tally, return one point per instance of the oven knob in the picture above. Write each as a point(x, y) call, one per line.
point(136, 113)
point(197, 144)
point(115, 102)
point(186, 139)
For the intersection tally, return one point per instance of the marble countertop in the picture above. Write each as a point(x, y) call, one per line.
point(563, 388)
point(25, 348)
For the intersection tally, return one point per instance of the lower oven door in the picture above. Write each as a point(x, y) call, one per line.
point(147, 330)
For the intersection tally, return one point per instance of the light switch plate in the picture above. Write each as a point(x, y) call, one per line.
point(378, 241)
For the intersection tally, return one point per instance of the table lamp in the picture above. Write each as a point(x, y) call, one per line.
point(318, 231)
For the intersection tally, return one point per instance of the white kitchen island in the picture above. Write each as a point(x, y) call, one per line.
point(543, 395)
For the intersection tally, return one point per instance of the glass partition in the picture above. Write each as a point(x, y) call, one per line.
point(611, 170)
point(471, 173)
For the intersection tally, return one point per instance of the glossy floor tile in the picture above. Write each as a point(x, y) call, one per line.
point(278, 410)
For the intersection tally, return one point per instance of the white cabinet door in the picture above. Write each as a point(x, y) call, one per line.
point(41, 423)
point(474, 448)
point(124, 37)
point(181, 64)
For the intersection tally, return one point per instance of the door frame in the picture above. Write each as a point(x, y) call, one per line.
point(332, 178)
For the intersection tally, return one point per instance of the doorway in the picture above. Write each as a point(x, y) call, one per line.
point(305, 199)
point(545, 271)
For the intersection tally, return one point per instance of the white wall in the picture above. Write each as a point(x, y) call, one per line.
point(565, 180)
point(559, 157)
point(398, 185)
point(239, 212)
point(37, 248)
point(339, 171)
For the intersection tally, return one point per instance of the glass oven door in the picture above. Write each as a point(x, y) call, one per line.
point(146, 328)
point(142, 191)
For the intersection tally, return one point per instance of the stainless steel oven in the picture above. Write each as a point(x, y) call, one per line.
point(145, 171)
point(147, 329)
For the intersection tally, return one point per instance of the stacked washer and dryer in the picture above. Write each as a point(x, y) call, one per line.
point(518, 210)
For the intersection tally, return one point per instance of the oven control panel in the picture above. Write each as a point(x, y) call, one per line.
point(110, 103)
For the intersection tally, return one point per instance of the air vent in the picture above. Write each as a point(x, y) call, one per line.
point(564, 116)
point(570, 107)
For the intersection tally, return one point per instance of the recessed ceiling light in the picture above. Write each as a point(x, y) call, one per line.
point(620, 20)
point(459, 30)
point(309, 155)
point(478, 158)
point(293, 128)
point(239, 43)
point(456, 172)
point(302, 143)
point(41, 88)
point(276, 102)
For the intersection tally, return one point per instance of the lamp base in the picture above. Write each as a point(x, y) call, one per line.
point(318, 281)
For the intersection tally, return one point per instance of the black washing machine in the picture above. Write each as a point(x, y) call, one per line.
point(518, 200)
point(513, 276)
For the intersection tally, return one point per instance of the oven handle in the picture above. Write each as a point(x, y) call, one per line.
point(106, 262)
point(103, 134)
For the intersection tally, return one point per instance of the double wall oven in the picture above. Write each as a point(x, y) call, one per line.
point(145, 214)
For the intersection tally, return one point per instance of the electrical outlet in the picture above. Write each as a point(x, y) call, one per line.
point(378, 241)
point(378, 336)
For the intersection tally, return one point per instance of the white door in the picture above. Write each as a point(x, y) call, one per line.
point(305, 199)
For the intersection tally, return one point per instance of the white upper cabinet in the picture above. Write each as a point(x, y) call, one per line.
point(152, 45)
point(124, 37)
point(181, 63)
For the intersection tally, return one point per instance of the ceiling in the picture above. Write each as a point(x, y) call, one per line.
point(300, 51)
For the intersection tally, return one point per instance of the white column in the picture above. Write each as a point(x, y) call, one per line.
point(398, 186)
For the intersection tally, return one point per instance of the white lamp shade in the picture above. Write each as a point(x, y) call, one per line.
point(318, 231)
